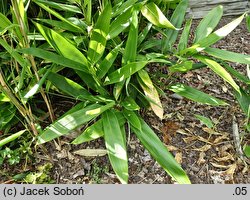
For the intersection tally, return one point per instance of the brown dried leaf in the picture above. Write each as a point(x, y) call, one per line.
point(178, 157)
point(70, 156)
point(231, 170)
point(180, 117)
point(183, 132)
point(169, 130)
point(168, 116)
point(211, 131)
point(223, 151)
point(225, 158)
point(189, 139)
point(204, 148)
point(171, 148)
point(62, 154)
point(203, 140)
point(246, 168)
point(221, 138)
point(220, 166)
point(201, 159)
point(224, 88)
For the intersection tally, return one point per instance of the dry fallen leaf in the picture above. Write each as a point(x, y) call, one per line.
point(168, 116)
point(211, 131)
point(91, 152)
point(78, 173)
point(224, 88)
point(201, 159)
point(221, 138)
point(225, 158)
point(63, 154)
point(183, 132)
point(189, 139)
point(171, 148)
point(178, 157)
point(223, 151)
point(203, 139)
point(180, 117)
point(220, 166)
point(204, 148)
point(230, 171)
point(245, 169)
point(169, 130)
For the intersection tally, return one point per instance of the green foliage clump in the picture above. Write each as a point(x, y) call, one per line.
point(109, 49)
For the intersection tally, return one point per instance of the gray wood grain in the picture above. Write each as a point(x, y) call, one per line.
point(198, 9)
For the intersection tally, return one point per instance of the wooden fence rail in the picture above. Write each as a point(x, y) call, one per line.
point(234, 7)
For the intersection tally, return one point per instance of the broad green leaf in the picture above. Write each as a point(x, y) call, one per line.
point(132, 118)
point(7, 113)
point(177, 20)
point(158, 58)
point(124, 72)
point(130, 104)
point(60, 25)
point(60, 6)
point(150, 44)
point(218, 69)
point(208, 23)
point(214, 37)
point(36, 87)
point(129, 54)
point(160, 153)
point(118, 89)
point(69, 51)
point(130, 51)
point(228, 55)
point(196, 95)
point(70, 87)
point(205, 121)
point(23, 15)
point(62, 45)
point(9, 28)
point(150, 91)
point(153, 13)
point(244, 100)
point(120, 24)
point(247, 150)
point(115, 145)
point(123, 7)
point(55, 58)
point(182, 67)
point(98, 35)
point(11, 138)
point(92, 82)
point(153, 58)
point(107, 62)
point(144, 33)
point(22, 61)
point(5, 22)
point(71, 121)
point(4, 98)
point(96, 130)
point(248, 22)
point(57, 15)
point(185, 36)
point(91, 133)
point(236, 74)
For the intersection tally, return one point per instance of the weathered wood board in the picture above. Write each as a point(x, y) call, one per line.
point(200, 8)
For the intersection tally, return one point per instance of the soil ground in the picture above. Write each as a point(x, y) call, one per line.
point(207, 155)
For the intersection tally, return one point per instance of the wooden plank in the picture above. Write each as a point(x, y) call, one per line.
point(198, 9)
